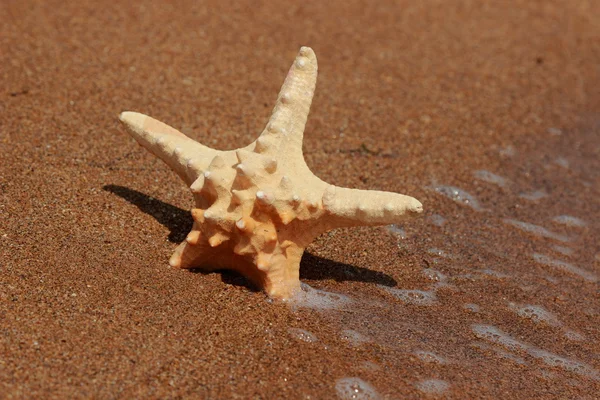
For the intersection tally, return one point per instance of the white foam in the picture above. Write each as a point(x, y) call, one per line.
point(354, 338)
point(458, 195)
point(396, 230)
point(508, 151)
point(534, 196)
point(437, 252)
point(435, 276)
point(429, 357)
point(495, 274)
point(492, 178)
point(562, 162)
point(302, 335)
point(501, 353)
point(310, 297)
point(565, 363)
point(565, 266)
point(536, 230)
point(495, 335)
point(416, 297)
point(554, 131)
point(433, 386)
point(537, 314)
point(370, 366)
point(437, 220)
point(355, 389)
point(472, 307)
point(574, 336)
point(540, 315)
point(570, 221)
point(567, 251)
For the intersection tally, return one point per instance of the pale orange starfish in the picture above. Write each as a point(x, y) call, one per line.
point(258, 207)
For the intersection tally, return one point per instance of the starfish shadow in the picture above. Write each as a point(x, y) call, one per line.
point(314, 268)
point(230, 277)
point(179, 222)
point(318, 268)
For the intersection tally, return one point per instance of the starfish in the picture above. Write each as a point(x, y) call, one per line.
point(258, 207)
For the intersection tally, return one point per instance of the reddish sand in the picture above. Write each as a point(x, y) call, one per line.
point(412, 96)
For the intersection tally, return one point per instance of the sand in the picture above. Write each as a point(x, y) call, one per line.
point(487, 112)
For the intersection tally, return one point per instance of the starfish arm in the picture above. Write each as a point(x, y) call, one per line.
point(183, 155)
point(353, 207)
point(186, 256)
point(258, 207)
point(288, 119)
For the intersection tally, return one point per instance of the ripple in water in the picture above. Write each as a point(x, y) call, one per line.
point(437, 220)
point(302, 335)
point(562, 162)
point(416, 297)
point(437, 252)
point(536, 230)
point(565, 266)
point(429, 357)
point(354, 338)
point(508, 151)
point(554, 131)
point(435, 276)
point(570, 221)
point(355, 389)
point(433, 386)
point(396, 230)
point(495, 335)
point(567, 251)
point(458, 195)
point(574, 336)
point(534, 196)
point(537, 314)
point(489, 177)
point(501, 353)
point(494, 273)
point(370, 366)
point(472, 307)
point(316, 299)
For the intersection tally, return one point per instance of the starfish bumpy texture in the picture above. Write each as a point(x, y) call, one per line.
point(258, 207)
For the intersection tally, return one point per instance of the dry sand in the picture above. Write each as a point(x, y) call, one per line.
point(488, 112)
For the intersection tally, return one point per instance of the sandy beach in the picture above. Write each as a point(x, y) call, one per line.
point(487, 112)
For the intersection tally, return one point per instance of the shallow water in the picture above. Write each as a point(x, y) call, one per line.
point(570, 221)
point(495, 335)
point(355, 389)
point(433, 386)
point(458, 195)
point(537, 314)
point(437, 220)
point(533, 196)
point(302, 335)
point(317, 299)
point(429, 357)
point(354, 338)
point(417, 297)
point(536, 230)
point(513, 276)
point(490, 177)
point(566, 266)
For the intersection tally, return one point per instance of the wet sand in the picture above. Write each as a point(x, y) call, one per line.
point(487, 113)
